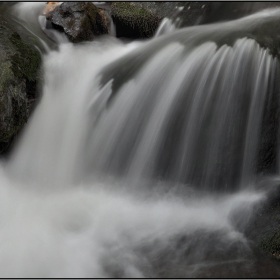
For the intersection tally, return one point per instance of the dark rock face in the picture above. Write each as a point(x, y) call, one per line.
point(264, 226)
point(222, 11)
point(134, 21)
point(139, 20)
point(192, 13)
point(81, 21)
point(19, 64)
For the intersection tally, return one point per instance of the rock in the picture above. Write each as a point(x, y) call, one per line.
point(134, 21)
point(264, 226)
point(50, 7)
point(190, 13)
point(194, 12)
point(220, 11)
point(138, 20)
point(19, 64)
point(81, 21)
point(141, 19)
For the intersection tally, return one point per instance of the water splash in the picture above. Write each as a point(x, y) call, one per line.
point(118, 177)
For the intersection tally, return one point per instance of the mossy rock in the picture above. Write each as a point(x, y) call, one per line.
point(13, 103)
point(264, 227)
point(80, 21)
point(190, 13)
point(141, 19)
point(19, 67)
point(133, 21)
point(271, 244)
point(269, 219)
point(26, 61)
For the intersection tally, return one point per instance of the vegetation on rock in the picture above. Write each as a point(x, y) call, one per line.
point(19, 65)
point(133, 21)
point(26, 61)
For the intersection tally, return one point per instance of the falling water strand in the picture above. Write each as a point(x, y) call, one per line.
point(132, 175)
point(210, 89)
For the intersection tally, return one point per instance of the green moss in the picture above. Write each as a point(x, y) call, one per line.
point(13, 101)
point(26, 61)
point(5, 77)
point(14, 111)
point(96, 20)
point(140, 20)
point(19, 64)
point(15, 122)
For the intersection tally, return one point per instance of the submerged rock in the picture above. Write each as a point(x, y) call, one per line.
point(81, 21)
point(19, 64)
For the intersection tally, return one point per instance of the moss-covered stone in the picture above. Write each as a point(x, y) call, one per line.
point(271, 244)
point(264, 227)
point(133, 21)
point(13, 103)
point(19, 67)
point(269, 219)
point(26, 61)
point(191, 13)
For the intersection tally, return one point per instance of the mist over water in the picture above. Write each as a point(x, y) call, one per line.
point(147, 175)
point(98, 230)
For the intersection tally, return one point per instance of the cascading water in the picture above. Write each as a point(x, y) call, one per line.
point(185, 136)
point(119, 170)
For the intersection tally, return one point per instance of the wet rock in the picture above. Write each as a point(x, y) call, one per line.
point(19, 64)
point(190, 13)
point(264, 227)
point(219, 11)
point(193, 13)
point(81, 21)
point(133, 20)
point(138, 20)
point(141, 19)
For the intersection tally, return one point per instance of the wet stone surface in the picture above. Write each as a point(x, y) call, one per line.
point(19, 65)
point(81, 21)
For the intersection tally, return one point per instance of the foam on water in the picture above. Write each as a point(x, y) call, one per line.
point(97, 231)
point(96, 185)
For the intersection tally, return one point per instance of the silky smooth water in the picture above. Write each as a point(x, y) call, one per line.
point(139, 160)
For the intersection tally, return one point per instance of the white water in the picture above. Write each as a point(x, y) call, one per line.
point(72, 199)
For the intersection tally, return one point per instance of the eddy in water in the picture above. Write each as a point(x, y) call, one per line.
point(140, 159)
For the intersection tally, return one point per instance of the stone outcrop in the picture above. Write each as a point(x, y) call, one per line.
point(81, 21)
point(133, 20)
point(19, 64)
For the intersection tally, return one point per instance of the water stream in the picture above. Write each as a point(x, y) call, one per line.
point(140, 159)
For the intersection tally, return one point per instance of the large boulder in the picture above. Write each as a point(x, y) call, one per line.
point(81, 21)
point(134, 21)
point(263, 227)
point(19, 64)
point(138, 20)
point(190, 13)
point(193, 13)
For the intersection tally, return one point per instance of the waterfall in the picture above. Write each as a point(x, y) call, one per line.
point(141, 159)
point(191, 117)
